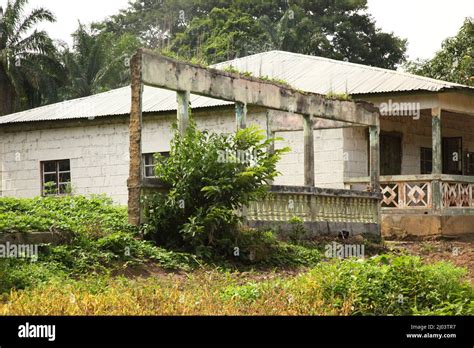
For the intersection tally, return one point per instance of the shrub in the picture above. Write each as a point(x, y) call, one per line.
point(23, 273)
point(342, 287)
point(95, 216)
point(109, 252)
point(211, 177)
point(386, 285)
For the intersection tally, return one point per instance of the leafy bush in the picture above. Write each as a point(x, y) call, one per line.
point(262, 249)
point(343, 287)
point(23, 273)
point(85, 255)
point(392, 285)
point(210, 176)
point(94, 216)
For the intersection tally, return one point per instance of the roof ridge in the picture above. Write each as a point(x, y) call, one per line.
point(367, 67)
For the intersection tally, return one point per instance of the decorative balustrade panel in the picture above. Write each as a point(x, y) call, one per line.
point(457, 195)
point(406, 195)
point(282, 207)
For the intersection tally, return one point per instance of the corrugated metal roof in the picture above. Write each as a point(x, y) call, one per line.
point(308, 73)
point(323, 75)
point(114, 102)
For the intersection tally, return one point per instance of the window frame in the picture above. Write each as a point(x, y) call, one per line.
point(423, 160)
point(152, 165)
point(58, 173)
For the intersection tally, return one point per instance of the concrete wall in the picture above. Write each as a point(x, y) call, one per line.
point(98, 151)
point(415, 134)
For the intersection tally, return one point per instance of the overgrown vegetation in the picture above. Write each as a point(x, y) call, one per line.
point(81, 277)
point(338, 96)
point(382, 285)
point(92, 216)
point(210, 178)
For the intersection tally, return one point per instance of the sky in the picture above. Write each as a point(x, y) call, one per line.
point(425, 23)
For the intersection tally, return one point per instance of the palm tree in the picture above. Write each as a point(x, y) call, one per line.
point(97, 63)
point(29, 66)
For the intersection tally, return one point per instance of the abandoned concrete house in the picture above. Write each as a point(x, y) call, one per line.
point(426, 143)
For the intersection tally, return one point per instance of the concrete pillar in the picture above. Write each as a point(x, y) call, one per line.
point(135, 129)
point(436, 139)
point(240, 115)
point(374, 158)
point(437, 156)
point(182, 98)
point(308, 151)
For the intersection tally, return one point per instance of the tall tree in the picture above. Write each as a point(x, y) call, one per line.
point(454, 62)
point(97, 63)
point(217, 29)
point(29, 67)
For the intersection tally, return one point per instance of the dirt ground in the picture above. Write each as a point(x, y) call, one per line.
point(459, 251)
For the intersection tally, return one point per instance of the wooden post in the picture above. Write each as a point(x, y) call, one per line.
point(374, 158)
point(240, 115)
point(182, 98)
point(437, 156)
point(308, 151)
point(135, 128)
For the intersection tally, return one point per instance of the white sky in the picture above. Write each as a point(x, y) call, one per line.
point(425, 23)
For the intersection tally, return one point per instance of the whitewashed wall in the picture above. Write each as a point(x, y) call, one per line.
point(98, 151)
point(415, 134)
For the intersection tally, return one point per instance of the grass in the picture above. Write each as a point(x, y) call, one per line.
point(78, 214)
point(86, 277)
point(341, 287)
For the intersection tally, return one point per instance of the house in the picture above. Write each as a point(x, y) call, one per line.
point(426, 140)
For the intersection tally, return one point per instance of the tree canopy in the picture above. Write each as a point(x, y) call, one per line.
point(454, 62)
point(217, 30)
point(30, 72)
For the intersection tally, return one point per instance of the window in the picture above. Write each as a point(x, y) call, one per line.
point(452, 156)
point(469, 163)
point(149, 163)
point(55, 177)
point(426, 160)
point(390, 154)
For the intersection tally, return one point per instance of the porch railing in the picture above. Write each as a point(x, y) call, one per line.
point(416, 191)
point(312, 204)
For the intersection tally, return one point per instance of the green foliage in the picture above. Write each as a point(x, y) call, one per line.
point(384, 285)
point(210, 176)
point(393, 285)
point(454, 62)
point(220, 30)
point(221, 35)
point(78, 214)
point(297, 231)
point(29, 66)
point(23, 273)
point(99, 62)
point(275, 80)
point(338, 96)
point(115, 250)
point(233, 70)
